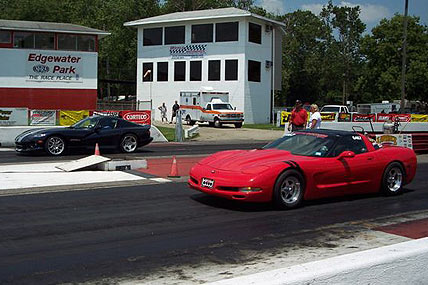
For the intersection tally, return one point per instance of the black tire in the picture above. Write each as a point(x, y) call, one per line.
point(189, 121)
point(283, 196)
point(55, 145)
point(129, 143)
point(238, 125)
point(217, 123)
point(393, 179)
point(211, 124)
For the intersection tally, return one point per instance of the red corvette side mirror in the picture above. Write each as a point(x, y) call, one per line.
point(346, 154)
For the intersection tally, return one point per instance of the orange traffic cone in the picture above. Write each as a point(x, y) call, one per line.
point(174, 170)
point(97, 150)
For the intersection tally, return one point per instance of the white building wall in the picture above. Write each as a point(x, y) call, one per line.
point(251, 97)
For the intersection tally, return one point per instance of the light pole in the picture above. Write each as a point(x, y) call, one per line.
point(403, 62)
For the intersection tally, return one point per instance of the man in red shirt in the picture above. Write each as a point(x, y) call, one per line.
point(298, 118)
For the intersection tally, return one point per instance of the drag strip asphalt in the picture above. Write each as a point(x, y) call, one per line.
point(152, 232)
point(151, 150)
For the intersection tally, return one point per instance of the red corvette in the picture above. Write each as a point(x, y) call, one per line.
point(305, 165)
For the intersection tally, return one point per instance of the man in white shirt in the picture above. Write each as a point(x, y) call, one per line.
point(315, 118)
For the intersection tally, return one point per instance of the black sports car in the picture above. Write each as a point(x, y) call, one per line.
point(108, 132)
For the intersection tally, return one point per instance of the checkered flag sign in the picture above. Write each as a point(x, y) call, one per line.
point(188, 50)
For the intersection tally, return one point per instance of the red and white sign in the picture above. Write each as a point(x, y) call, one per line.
point(363, 117)
point(139, 117)
point(394, 117)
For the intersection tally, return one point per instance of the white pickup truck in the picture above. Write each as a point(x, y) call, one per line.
point(334, 109)
point(212, 107)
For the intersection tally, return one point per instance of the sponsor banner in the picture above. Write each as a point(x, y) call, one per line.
point(67, 118)
point(404, 140)
point(328, 116)
point(191, 51)
point(43, 117)
point(285, 117)
point(393, 117)
point(13, 117)
point(344, 117)
point(363, 118)
point(53, 67)
point(139, 117)
point(419, 118)
point(113, 113)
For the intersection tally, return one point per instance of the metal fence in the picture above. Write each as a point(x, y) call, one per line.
point(124, 105)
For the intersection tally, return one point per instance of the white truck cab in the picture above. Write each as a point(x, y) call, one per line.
point(335, 109)
point(212, 107)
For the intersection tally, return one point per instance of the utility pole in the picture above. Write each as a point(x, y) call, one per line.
point(403, 62)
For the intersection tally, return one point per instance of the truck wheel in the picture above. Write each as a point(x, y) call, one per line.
point(217, 123)
point(211, 124)
point(238, 125)
point(189, 121)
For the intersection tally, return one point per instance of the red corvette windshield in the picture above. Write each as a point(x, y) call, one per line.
point(304, 143)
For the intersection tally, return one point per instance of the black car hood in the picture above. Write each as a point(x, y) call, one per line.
point(33, 132)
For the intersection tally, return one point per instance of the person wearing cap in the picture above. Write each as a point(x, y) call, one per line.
point(298, 117)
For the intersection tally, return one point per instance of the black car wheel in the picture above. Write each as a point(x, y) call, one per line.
point(55, 145)
point(393, 179)
point(289, 189)
point(129, 143)
point(238, 125)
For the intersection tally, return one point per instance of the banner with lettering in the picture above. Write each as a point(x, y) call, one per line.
point(113, 113)
point(68, 118)
point(139, 117)
point(285, 117)
point(43, 117)
point(404, 140)
point(344, 117)
point(53, 67)
point(419, 118)
point(13, 117)
point(363, 117)
point(327, 116)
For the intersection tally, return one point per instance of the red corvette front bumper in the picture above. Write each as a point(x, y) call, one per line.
point(230, 185)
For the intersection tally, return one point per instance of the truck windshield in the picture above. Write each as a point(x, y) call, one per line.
point(222, 107)
point(330, 109)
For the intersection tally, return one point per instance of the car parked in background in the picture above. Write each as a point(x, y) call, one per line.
point(304, 165)
point(108, 132)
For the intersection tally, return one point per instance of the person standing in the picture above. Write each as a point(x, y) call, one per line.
point(315, 118)
point(163, 110)
point(175, 108)
point(298, 117)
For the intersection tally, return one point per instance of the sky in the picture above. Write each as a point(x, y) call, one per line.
point(372, 11)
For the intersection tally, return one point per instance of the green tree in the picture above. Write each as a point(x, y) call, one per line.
point(304, 45)
point(345, 22)
point(382, 50)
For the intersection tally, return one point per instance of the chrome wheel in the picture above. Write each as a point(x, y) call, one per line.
point(290, 190)
point(55, 145)
point(129, 143)
point(394, 179)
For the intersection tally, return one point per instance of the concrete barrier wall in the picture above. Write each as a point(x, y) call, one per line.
point(402, 263)
point(8, 134)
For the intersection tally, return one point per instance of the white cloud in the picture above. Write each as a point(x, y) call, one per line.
point(369, 13)
point(273, 6)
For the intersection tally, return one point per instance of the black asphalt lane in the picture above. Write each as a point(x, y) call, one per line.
point(153, 149)
point(125, 233)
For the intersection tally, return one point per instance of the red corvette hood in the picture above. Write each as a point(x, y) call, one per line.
point(238, 160)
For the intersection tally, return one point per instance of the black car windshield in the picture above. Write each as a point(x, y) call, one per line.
point(304, 143)
point(87, 123)
point(222, 107)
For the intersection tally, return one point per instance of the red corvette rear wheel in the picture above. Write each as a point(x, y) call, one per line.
point(289, 189)
point(393, 179)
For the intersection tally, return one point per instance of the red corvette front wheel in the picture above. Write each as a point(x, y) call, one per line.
point(289, 188)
